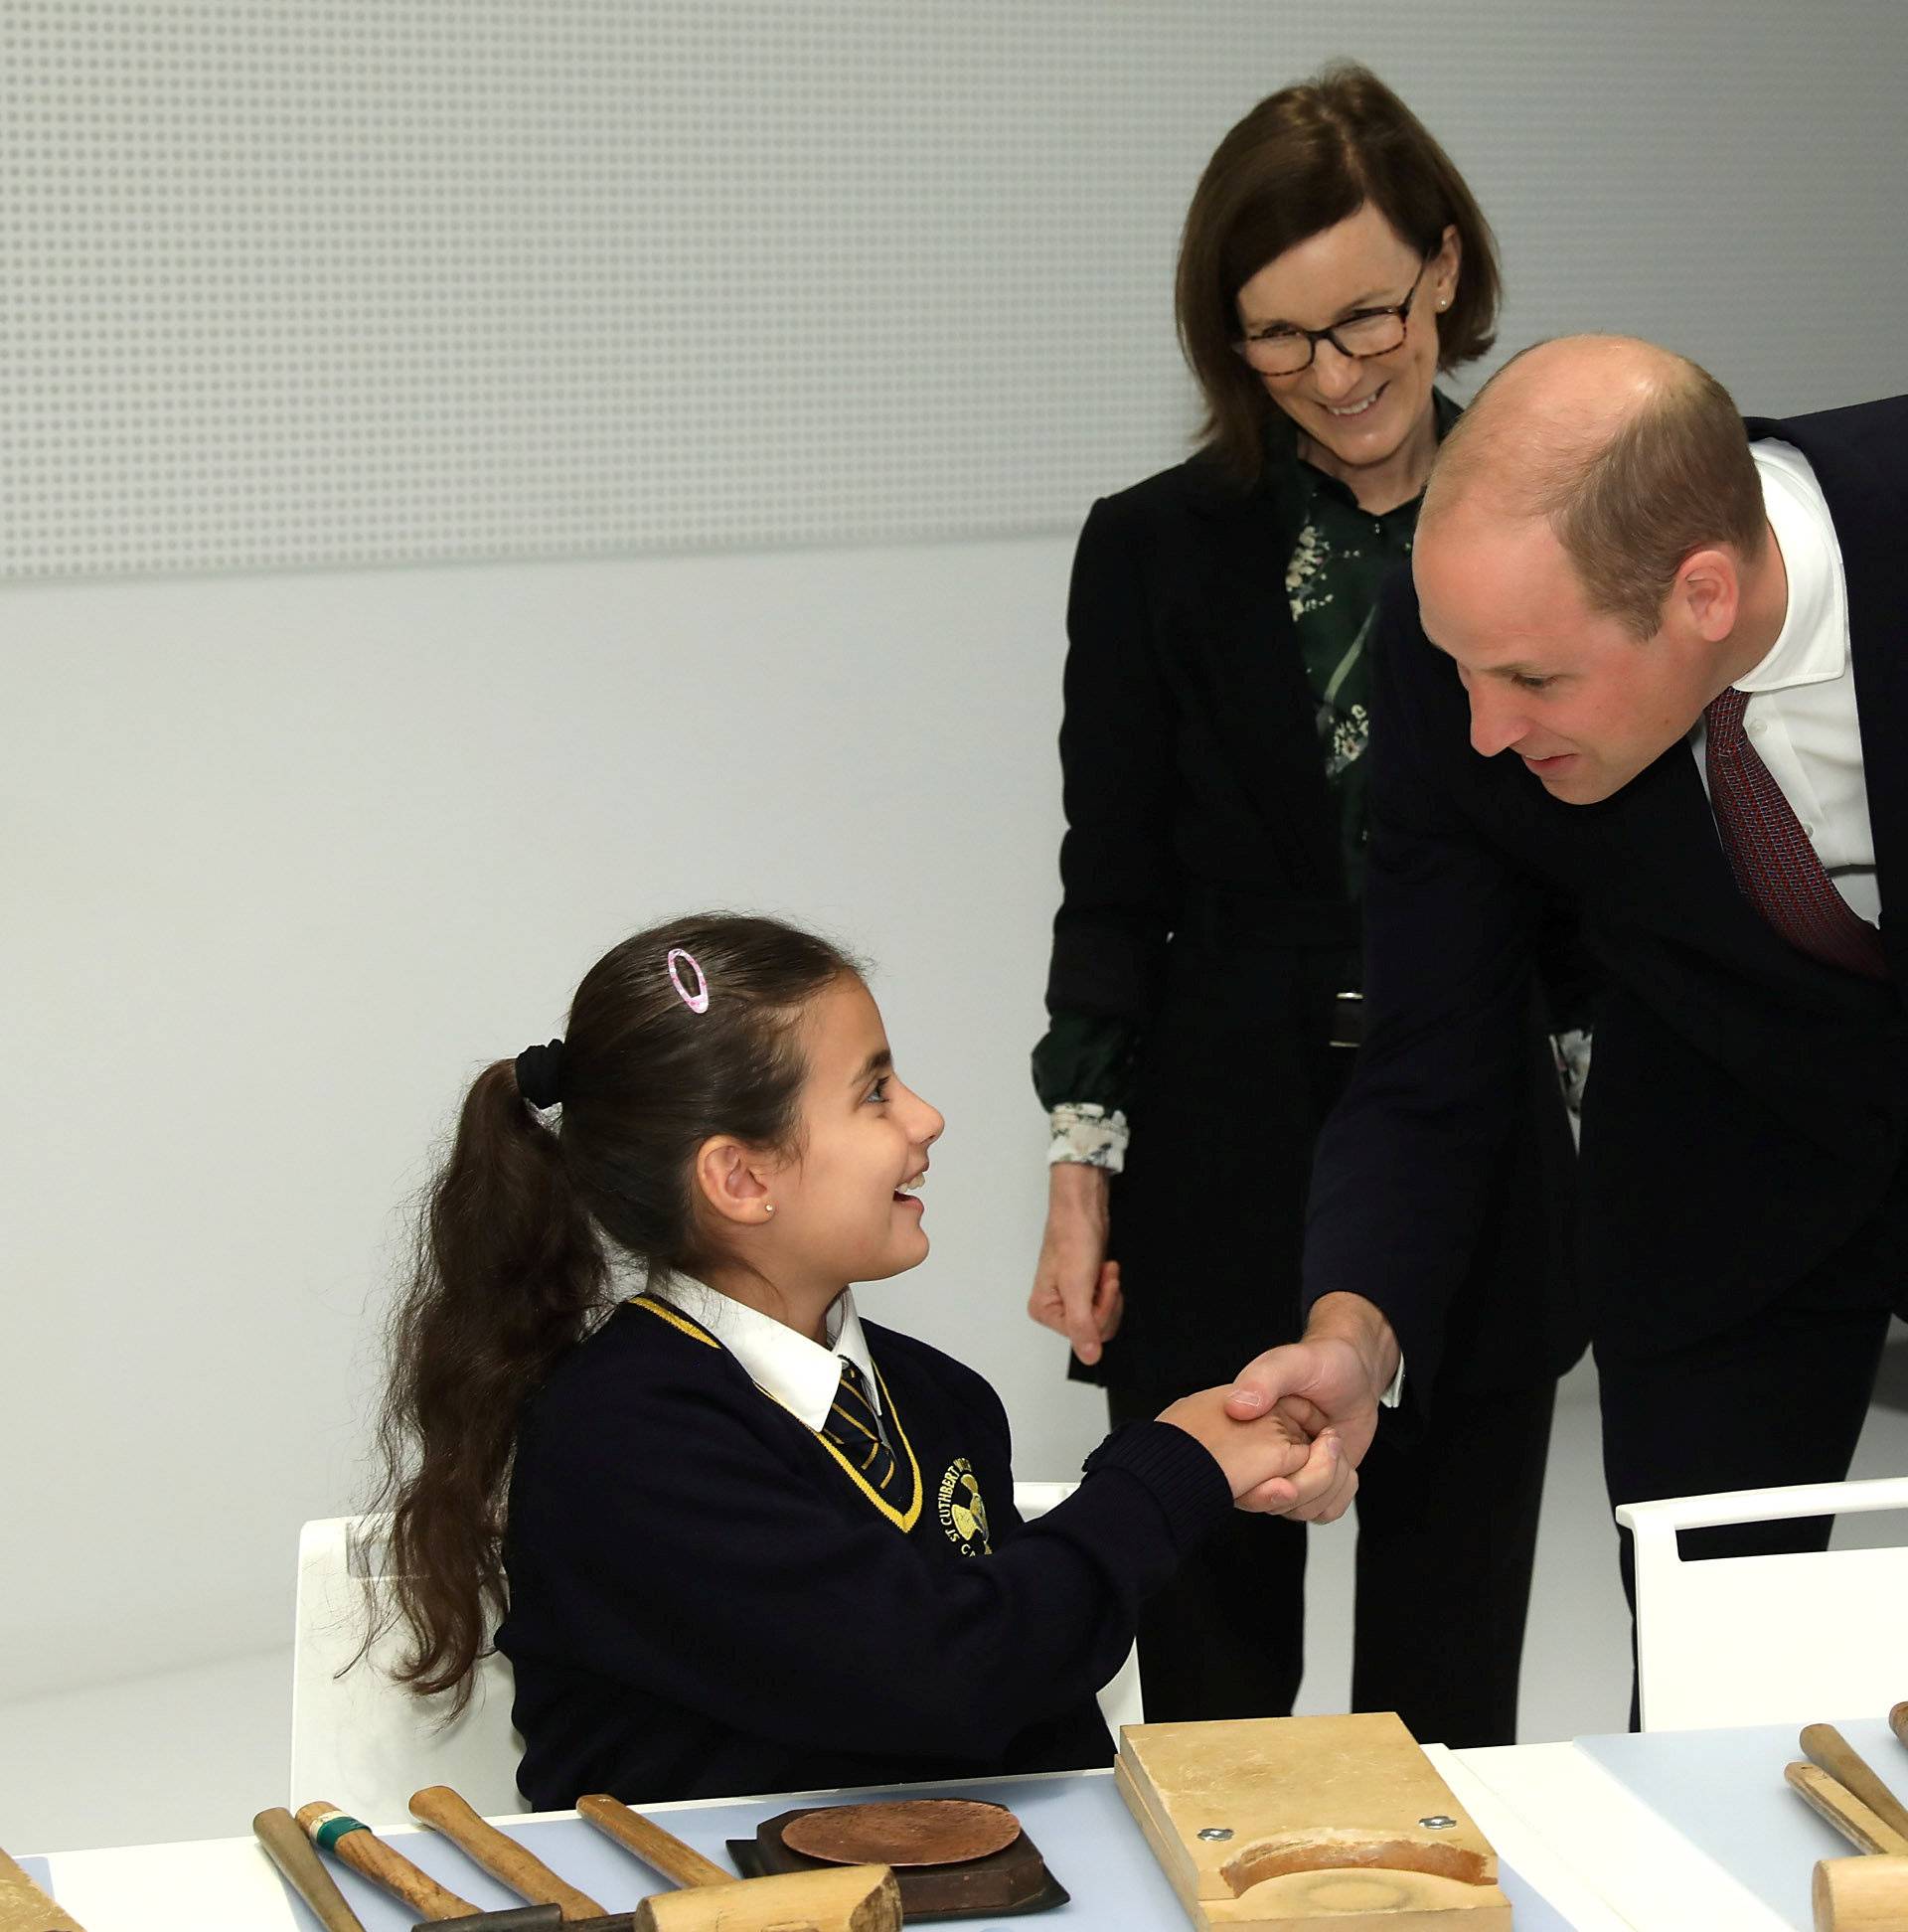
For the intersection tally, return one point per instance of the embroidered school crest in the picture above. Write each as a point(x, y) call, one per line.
point(963, 1513)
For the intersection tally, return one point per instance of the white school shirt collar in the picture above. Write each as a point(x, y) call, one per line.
point(1813, 644)
point(801, 1374)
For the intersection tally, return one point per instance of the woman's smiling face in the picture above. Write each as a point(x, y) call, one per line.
point(1357, 413)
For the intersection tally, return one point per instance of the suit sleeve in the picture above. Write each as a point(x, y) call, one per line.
point(1120, 885)
point(731, 1558)
point(1403, 1170)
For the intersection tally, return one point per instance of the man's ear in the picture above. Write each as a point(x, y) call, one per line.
point(733, 1179)
point(1706, 596)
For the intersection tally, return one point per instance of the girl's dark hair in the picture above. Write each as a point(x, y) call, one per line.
point(1303, 160)
point(509, 1267)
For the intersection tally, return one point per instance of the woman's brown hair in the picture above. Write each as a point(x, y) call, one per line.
point(1303, 160)
point(511, 1268)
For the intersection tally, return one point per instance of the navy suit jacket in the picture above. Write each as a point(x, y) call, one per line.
point(1747, 1108)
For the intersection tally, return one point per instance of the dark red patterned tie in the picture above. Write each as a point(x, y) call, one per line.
point(1770, 854)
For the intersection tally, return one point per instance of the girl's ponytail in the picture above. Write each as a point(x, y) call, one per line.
point(507, 1273)
point(511, 1264)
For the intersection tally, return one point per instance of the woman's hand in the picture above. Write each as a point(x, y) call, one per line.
point(1272, 1460)
point(1077, 1289)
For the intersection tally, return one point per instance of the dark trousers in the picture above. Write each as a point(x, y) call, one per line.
point(1447, 1527)
point(1777, 1398)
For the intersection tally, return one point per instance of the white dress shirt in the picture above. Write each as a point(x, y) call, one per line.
point(1801, 715)
point(801, 1374)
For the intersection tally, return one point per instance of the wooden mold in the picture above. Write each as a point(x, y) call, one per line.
point(1308, 1825)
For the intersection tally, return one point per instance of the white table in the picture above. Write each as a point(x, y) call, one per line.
point(1594, 1840)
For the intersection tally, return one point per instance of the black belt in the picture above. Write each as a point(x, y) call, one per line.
point(1347, 1020)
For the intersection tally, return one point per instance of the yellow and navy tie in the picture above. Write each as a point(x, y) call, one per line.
point(855, 1428)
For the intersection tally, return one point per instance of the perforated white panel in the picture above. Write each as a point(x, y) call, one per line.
point(350, 280)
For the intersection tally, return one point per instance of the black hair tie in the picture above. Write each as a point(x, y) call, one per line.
point(540, 1074)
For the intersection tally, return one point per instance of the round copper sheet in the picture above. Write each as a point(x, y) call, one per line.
point(911, 1832)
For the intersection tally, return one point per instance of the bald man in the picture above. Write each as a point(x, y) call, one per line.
point(1661, 665)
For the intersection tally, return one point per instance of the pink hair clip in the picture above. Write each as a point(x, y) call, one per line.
point(696, 1002)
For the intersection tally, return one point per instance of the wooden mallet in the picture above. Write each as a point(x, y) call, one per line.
point(1869, 1893)
point(842, 1898)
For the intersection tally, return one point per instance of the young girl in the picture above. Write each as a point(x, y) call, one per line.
point(749, 1542)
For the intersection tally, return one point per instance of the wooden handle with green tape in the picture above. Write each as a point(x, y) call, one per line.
point(277, 1830)
point(365, 1851)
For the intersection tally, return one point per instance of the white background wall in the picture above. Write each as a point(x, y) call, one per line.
point(287, 855)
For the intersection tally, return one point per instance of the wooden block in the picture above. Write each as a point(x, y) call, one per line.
point(24, 1908)
point(1324, 1822)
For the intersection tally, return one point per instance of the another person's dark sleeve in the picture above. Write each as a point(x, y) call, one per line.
point(1404, 1163)
point(1119, 879)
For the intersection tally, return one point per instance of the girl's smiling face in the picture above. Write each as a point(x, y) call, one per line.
point(845, 1205)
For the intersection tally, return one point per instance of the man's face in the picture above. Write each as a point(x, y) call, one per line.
point(1584, 703)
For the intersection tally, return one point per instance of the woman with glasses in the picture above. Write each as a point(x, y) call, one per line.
point(1205, 992)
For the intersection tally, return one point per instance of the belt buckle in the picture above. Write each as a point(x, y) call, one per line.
point(1347, 1021)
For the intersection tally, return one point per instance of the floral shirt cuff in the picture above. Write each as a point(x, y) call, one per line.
point(1088, 1135)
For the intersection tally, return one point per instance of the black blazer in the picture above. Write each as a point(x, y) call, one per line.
point(1204, 905)
point(1747, 1107)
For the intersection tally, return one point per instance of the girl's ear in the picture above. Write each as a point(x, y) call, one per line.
point(731, 1180)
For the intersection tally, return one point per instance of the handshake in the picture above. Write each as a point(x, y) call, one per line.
point(1290, 1431)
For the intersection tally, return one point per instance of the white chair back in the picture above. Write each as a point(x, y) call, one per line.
point(362, 1740)
point(364, 1743)
point(1768, 1640)
point(1120, 1701)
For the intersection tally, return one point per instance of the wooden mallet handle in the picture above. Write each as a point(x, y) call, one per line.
point(1898, 1722)
point(503, 1857)
point(1822, 1745)
point(365, 1851)
point(650, 1843)
point(277, 1830)
point(1844, 1811)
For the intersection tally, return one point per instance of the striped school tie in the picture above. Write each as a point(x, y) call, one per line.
point(852, 1427)
point(1774, 866)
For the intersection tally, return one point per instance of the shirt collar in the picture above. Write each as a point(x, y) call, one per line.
point(1813, 644)
point(801, 1374)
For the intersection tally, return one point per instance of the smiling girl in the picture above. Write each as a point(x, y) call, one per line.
point(741, 1540)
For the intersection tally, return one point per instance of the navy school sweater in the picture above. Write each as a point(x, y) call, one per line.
point(703, 1602)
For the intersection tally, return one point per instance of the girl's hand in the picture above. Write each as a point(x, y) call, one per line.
point(1271, 1459)
point(1076, 1290)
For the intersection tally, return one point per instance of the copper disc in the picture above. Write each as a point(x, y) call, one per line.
point(911, 1832)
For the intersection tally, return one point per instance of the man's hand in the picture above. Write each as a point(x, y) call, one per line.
point(1271, 1456)
point(1077, 1289)
point(1327, 1382)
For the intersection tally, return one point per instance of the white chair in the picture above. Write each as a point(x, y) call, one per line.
point(1120, 1699)
point(365, 1742)
point(1768, 1640)
point(362, 1740)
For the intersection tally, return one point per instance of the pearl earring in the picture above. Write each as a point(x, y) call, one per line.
point(768, 1207)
